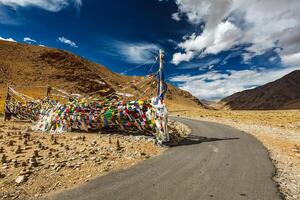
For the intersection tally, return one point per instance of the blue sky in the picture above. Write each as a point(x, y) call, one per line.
point(213, 48)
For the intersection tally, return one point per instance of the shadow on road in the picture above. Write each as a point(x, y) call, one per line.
point(194, 139)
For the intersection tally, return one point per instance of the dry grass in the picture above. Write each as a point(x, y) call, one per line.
point(276, 118)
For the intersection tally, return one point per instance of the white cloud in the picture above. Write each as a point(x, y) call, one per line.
point(209, 65)
point(291, 59)
point(198, 11)
point(222, 37)
point(29, 40)
point(201, 64)
point(263, 24)
point(50, 5)
point(216, 85)
point(226, 35)
point(180, 57)
point(272, 59)
point(67, 41)
point(137, 53)
point(175, 16)
point(7, 39)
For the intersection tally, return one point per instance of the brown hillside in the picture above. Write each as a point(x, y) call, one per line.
point(283, 93)
point(23, 65)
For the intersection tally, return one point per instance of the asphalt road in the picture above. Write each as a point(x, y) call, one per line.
point(215, 162)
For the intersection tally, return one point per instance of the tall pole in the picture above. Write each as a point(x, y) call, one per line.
point(161, 66)
point(164, 132)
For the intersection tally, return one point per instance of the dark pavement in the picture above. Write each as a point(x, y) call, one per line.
point(215, 162)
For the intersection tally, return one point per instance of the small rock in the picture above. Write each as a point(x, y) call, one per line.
point(33, 162)
point(3, 158)
point(76, 137)
point(18, 150)
point(23, 164)
point(84, 156)
point(36, 153)
point(11, 143)
point(26, 136)
point(92, 151)
point(20, 179)
point(2, 175)
point(118, 147)
point(1, 149)
point(15, 163)
point(5, 166)
point(94, 143)
point(70, 165)
point(56, 166)
point(93, 158)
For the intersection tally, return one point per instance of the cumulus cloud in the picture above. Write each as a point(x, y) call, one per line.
point(67, 41)
point(179, 57)
point(224, 36)
point(29, 40)
point(7, 39)
point(50, 5)
point(216, 85)
point(262, 24)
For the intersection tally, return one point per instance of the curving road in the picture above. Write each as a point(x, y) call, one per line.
point(216, 162)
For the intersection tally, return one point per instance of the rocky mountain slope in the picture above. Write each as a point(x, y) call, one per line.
point(27, 67)
point(283, 93)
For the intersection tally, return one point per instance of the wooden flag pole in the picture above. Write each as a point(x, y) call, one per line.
point(161, 67)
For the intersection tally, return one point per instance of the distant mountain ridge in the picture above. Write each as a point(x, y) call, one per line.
point(283, 93)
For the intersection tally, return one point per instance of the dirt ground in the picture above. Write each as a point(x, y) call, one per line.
point(76, 159)
point(34, 164)
point(279, 131)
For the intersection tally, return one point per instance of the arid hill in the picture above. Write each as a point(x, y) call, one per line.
point(283, 93)
point(27, 67)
